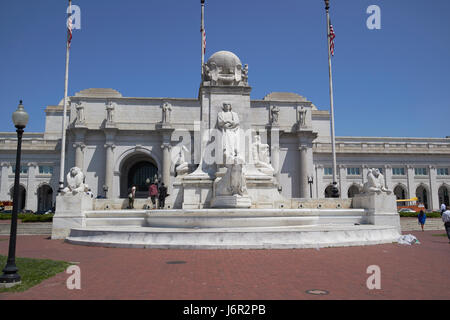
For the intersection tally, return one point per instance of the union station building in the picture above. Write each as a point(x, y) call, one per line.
point(123, 141)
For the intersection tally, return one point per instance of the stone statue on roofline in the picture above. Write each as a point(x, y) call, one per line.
point(167, 111)
point(275, 113)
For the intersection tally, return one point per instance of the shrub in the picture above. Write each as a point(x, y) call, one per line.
point(27, 217)
point(415, 214)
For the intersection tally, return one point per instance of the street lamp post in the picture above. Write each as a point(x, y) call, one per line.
point(10, 275)
point(310, 181)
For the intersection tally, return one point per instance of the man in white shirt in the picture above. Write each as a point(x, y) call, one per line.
point(443, 208)
point(446, 219)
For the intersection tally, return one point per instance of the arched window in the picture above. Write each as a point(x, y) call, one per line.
point(138, 175)
point(422, 195)
point(443, 196)
point(329, 192)
point(400, 192)
point(45, 198)
point(352, 191)
point(21, 199)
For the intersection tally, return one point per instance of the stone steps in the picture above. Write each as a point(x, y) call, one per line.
point(28, 229)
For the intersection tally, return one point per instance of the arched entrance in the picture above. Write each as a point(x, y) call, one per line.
point(400, 192)
point(443, 196)
point(134, 172)
point(352, 191)
point(422, 195)
point(21, 199)
point(45, 198)
point(329, 192)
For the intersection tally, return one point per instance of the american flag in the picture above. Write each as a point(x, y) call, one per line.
point(69, 29)
point(332, 35)
point(204, 41)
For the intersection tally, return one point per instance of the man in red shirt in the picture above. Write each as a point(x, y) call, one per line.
point(153, 191)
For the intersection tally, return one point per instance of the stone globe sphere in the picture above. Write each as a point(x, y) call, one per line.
point(225, 60)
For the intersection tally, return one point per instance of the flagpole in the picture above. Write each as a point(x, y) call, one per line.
point(202, 31)
point(64, 122)
point(335, 190)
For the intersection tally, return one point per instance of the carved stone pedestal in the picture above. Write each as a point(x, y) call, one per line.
point(235, 201)
point(382, 208)
point(70, 213)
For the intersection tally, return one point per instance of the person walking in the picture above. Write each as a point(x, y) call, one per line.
point(162, 196)
point(422, 217)
point(446, 220)
point(443, 208)
point(153, 191)
point(131, 197)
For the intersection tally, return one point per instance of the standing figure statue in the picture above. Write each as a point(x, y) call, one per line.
point(275, 112)
point(80, 112)
point(245, 74)
point(228, 123)
point(110, 112)
point(302, 117)
point(167, 110)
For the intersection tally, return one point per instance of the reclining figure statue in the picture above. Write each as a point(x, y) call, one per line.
point(75, 182)
point(375, 183)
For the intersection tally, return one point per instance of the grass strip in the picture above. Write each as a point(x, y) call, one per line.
point(34, 271)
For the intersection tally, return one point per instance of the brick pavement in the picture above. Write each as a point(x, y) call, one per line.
point(407, 272)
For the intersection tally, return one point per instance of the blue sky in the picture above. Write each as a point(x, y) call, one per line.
point(388, 82)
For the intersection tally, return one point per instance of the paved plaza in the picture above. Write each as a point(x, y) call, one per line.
point(407, 272)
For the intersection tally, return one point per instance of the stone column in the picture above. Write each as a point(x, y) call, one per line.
point(4, 181)
point(434, 196)
point(319, 190)
point(110, 132)
point(303, 172)
point(79, 154)
point(79, 132)
point(410, 176)
point(305, 146)
point(109, 169)
point(342, 189)
point(275, 152)
point(166, 163)
point(31, 195)
point(388, 177)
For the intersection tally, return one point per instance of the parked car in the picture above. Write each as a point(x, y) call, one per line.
point(407, 210)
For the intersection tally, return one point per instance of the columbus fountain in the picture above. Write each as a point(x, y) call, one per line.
point(232, 199)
